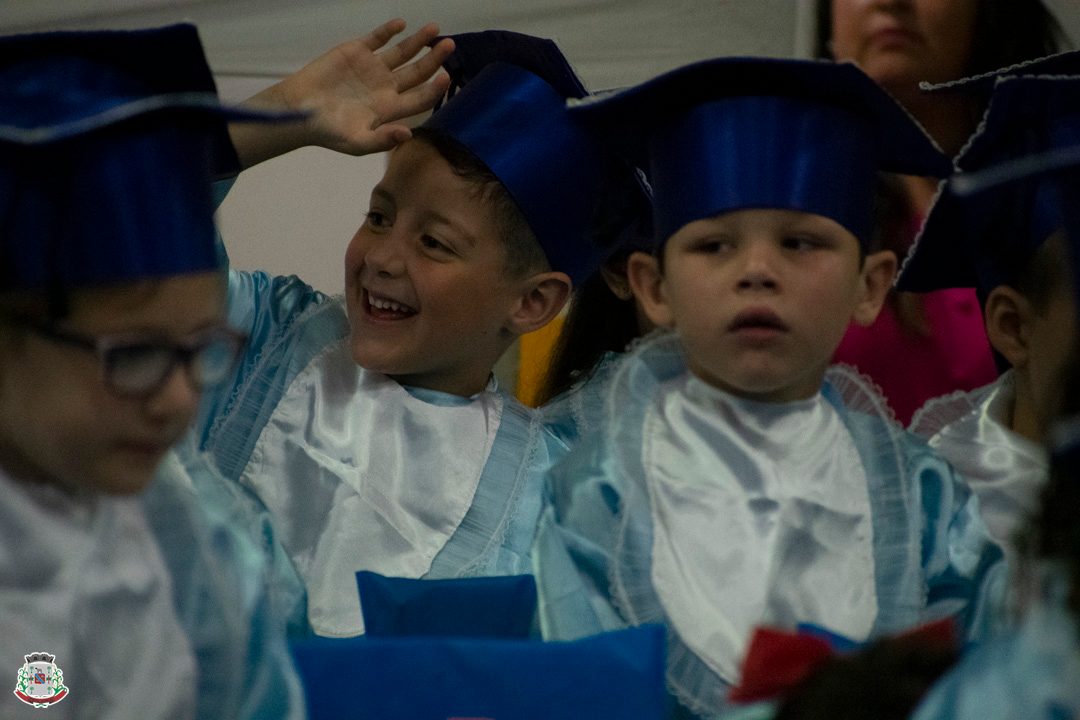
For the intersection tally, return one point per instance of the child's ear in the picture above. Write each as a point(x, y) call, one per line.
point(876, 279)
point(617, 283)
point(542, 298)
point(647, 283)
point(1008, 316)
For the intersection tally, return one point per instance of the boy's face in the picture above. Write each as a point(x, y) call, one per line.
point(761, 298)
point(60, 423)
point(426, 284)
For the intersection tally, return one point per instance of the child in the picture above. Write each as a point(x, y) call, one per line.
point(1030, 670)
point(118, 597)
point(1010, 249)
point(736, 481)
point(370, 425)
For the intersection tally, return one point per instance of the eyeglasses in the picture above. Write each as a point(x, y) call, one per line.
point(137, 367)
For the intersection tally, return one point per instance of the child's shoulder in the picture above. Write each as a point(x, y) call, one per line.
point(941, 412)
point(893, 457)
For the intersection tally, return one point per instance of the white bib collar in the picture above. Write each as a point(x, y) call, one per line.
point(360, 473)
point(761, 515)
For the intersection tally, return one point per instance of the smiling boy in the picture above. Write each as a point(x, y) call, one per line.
point(370, 425)
point(739, 480)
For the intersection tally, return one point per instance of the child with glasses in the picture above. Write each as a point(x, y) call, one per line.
point(371, 425)
point(121, 594)
point(738, 479)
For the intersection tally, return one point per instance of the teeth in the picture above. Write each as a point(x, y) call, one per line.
point(384, 304)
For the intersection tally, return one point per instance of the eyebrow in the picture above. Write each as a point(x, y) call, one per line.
point(430, 215)
point(459, 231)
point(382, 193)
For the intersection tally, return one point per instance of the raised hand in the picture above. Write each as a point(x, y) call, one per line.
point(355, 94)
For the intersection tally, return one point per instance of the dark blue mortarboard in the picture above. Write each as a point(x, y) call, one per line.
point(1057, 169)
point(510, 112)
point(740, 133)
point(982, 86)
point(986, 240)
point(108, 143)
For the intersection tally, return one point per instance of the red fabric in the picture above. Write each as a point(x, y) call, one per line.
point(911, 368)
point(778, 660)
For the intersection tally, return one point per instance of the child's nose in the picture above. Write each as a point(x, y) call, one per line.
point(386, 256)
point(178, 396)
point(758, 269)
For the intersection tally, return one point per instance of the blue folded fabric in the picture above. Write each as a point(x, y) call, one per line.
point(467, 607)
point(613, 675)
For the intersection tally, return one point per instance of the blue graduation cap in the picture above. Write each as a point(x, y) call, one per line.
point(1056, 170)
point(739, 133)
point(986, 240)
point(510, 112)
point(108, 143)
point(982, 85)
point(463, 607)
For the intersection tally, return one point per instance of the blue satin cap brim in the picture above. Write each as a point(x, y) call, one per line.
point(763, 153)
point(517, 125)
point(127, 205)
point(55, 121)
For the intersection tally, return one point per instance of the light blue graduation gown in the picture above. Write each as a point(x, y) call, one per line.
point(291, 326)
point(579, 411)
point(154, 605)
point(232, 612)
point(1005, 470)
point(1031, 672)
point(593, 553)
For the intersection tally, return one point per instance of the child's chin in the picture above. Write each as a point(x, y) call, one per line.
point(373, 361)
point(125, 481)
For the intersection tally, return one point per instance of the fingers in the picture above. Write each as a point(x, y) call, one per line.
point(386, 137)
point(420, 99)
point(383, 34)
point(422, 70)
point(408, 48)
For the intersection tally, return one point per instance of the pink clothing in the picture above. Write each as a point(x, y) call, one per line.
point(911, 368)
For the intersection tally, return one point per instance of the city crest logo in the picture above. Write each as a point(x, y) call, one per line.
point(41, 681)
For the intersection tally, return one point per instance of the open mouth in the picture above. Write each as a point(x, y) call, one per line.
point(383, 308)
point(763, 321)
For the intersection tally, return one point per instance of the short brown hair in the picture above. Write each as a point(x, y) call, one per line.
point(523, 252)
